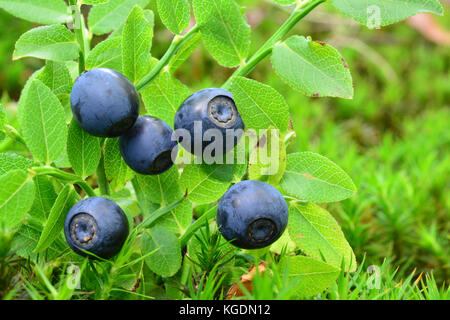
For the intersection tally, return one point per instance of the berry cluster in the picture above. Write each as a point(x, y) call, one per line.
point(251, 214)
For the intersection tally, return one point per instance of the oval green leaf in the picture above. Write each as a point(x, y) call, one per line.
point(110, 16)
point(311, 276)
point(16, 197)
point(312, 177)
point(260, 105)
point(167, 259)
point(163, 96)
point(106, 54)
point(175, 14)
point(313, 68)
point(53, 42)
point(316, 232)
point(39, 11)
point(55, 222)
point(206, 183)
point(224, 30)
point(116, 169)
point(83, 150)
point(12, 161)
point(136, 44)
point(377, 13)
point(43, 123)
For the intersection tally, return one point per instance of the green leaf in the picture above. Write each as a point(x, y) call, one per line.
point(24, 94)
point(259, 105)
point(376, 13)
point(39, 11)
point(53, 42)
point(311, 276)
point(316, 232)
point(83, 150)
point(117, 171)
point(26, 239)
point(175, 14)
point(63, 160)
point(149, 16)
point(162, 189)
point(136, 44)
point(167, 259)
point(178, 219)
point(106, 54)
point(55, 222)
point(56, 76)
point(44, 128)
point(144, 202)
point(206, 183)
point(267, 160)
point(64, 98)
point(16, 197)
point(313, 68)
point(72, 66)
point(312, 177)
point(159, 213)
point(163, 96)
point(224, 30)
point(12, 161)
point(283, 243)
point(107, 17)
point(44, 198)
point(185, 52)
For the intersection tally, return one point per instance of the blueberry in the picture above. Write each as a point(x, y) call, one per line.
point(252, 214)
point(214, 109)
point(104, 102)
point(97, 225)
point(147, 147)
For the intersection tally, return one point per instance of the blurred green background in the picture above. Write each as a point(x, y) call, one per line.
point(393, 138)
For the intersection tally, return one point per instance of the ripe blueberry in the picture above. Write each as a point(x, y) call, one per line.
point(213, 109)
point(97, 225)
point(104, 102)
point(147, 147)
point(252, 214)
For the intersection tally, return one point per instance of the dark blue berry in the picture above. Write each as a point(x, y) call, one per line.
point(252, 214)
point(148, 146)
point(214, 109)
point(104, 102)
point(97, 225)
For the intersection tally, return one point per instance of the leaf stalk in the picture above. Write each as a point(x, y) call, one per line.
point(66, 176)
point(302, 9)
point(177, 43)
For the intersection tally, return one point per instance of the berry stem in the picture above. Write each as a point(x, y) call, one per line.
point(101, 177)
point(62, 175)
point(302, 9)
point(14, 135)
point(175, 46)
point(211, 213)
point(79, 29)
